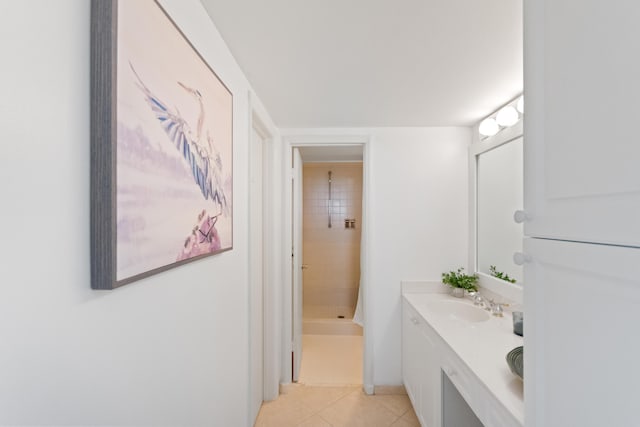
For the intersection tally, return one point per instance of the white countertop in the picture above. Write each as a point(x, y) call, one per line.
point(482, 346)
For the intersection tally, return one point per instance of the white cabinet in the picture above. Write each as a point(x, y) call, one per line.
point(430, 384)
point(412, 355)
point(581, 341)
point(421, 367)
point(582, 184)
point(436, 346)
point(582, 180)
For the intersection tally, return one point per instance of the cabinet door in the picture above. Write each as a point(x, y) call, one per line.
point(582, 180)
point(582, 311)
point(431, 381)
point(412, 356)
point(421, 367)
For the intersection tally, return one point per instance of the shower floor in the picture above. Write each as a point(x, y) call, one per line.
point(325, 320)
point(331, 359)
point(326, 326)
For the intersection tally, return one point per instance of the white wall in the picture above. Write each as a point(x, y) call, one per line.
point(168, 350)
point(419, 224)
point(418, 221)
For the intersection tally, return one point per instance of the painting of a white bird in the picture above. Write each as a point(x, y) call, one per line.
point(174, 148)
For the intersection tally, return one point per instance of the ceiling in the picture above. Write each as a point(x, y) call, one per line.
point(364, 63)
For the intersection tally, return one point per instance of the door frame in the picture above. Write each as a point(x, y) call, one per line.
point(319, 140)
point(296, 262)
point(259, 120)
point(257, 158)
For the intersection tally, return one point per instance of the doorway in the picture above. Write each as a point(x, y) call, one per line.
point(329, 224)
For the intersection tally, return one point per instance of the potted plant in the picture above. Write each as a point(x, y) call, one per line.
point(460, 282)
point(500, 275)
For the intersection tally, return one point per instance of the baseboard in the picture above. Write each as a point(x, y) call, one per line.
point(288, 387)
point(367, 388)
point(390, 389)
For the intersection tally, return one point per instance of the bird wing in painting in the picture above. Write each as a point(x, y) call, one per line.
point(203, 160)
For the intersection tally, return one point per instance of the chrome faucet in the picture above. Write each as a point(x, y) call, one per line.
point(496, 308)
point(477, 299)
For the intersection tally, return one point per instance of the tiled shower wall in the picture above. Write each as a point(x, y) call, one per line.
point(331, 255)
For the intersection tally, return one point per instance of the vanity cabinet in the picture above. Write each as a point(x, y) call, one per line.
point(421, 367)
point(438, 347)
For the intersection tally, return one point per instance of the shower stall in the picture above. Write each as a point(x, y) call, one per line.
point(332, 218)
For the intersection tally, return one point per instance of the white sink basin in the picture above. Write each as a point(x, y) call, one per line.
point(458, 311)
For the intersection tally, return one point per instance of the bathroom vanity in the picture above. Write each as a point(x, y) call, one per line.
point(448, 341)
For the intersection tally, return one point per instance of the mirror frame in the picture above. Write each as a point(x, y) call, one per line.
point(511, 291)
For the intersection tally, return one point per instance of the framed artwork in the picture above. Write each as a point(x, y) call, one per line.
point(161, 147)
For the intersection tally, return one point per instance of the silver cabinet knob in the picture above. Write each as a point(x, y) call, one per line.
point(521, 258)
point(520, 216)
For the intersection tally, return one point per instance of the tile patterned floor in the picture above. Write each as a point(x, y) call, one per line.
point(322, 397)
point(336, 406)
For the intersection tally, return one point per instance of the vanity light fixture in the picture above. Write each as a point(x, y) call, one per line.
point(488, 127)
point(507, 116)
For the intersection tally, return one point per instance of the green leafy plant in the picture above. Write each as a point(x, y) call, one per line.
point(457, 279)
point(500, 274)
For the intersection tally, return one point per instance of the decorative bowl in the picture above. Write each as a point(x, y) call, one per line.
point(515, 361)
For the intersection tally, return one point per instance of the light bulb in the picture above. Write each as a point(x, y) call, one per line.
point(507, 116)
point(520, 105)
point(488, 127)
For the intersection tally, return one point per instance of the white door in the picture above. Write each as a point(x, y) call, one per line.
point(581, 344)
point(582, 180)
point(297, 263)
point(256, 273)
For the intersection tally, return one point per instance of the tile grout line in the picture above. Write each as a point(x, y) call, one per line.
point(329, 404)
point(316, 400)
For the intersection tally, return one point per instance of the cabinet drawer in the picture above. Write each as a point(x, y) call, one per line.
point(464, 380)
point(421, 325)
point(412, 315)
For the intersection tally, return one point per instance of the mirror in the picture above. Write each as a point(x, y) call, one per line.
point(499, 182)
